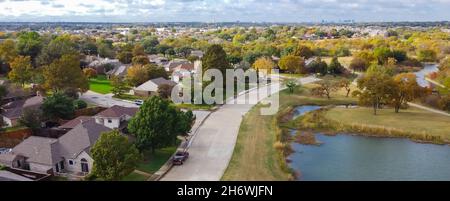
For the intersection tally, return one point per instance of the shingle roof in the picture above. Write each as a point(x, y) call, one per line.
point(39, 150)
point(75, 122)
point(160, 81)
point(13, 110)
point(81, 138)
point(117, 111)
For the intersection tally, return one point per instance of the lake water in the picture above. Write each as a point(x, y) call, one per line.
point(421, 75)
point(358, 158)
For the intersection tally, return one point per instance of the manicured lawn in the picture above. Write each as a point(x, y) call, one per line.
point(291, 75)
point(135, 177)
point(100, 85)
point(194, 106)
point(411, 120)
point(153, 161)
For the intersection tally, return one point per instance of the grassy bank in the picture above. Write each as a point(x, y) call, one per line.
point(262, 145)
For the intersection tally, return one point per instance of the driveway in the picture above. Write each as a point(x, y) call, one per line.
point(213, 144)
point(105, 100)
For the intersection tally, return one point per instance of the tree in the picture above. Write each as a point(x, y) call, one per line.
point(21, 70)
point(125, 57)
point(58, 106)
point(406, 89)
point(264, 64)
point(154, 71)
point(215, 58)
point(137, 75)
point(65, 73)
point(293, 64)
point(165, 91)
point(90, 73)
point(138, 50)
point(140, 60)
point(359, 64)
point(184, 51)
point(291, 84)
point(119, 87)
point(29, 44)
point(382, 54)
point(7, 52)
point(375, 87)
point(79, 104)
point(427, 55)
point(326, 86)
point(156, 125)
point(56, 49)
point(3, 91)
point(345, 84)
point(318, 66)
point(31, 118)
point(335, 67)
point(114, 157)
point(303, 51)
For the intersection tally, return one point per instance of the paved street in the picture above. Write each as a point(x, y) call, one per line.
point(213, 144)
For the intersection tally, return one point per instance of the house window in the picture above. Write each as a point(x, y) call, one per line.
point(70, 162)
point(109, 120)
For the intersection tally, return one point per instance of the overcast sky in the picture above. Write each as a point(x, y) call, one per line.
point(224, 10)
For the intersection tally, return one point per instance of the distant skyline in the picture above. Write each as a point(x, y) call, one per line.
point(223, 10)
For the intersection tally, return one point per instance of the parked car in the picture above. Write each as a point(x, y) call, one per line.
point(5, 150)
point(180, 157)
point(138, 102)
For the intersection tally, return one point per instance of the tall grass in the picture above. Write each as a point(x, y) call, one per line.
point(316, 120)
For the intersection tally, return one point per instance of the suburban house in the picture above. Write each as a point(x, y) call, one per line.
point(119, 71)
point(13, 111)
point(185, 70)
point(151, 87)
point(197, 53)
point(158, 60)
point(175, 63)
point(115, 117)
point(69, 154)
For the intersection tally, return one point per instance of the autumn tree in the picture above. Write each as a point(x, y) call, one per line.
point(303, 51)
point(138, 50)
point(215, 58)
point(140, 60)
point(114, 156)
point(29, 44)
point(21, 70)
point(359, 64)
point(346, 85)
point(406, 89)
point(264, 64)
point(137, 75)
point(325, 88)
point(375, 87)
point(56, 49)
point(90, 73)
point(293, 64)
point(65, 73)
point(7, 52)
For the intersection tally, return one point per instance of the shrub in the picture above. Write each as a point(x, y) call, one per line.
point(79, 104)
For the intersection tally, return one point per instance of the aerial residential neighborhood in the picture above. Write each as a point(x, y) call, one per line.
point(234, 92)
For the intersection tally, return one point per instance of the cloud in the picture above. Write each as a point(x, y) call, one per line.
point(223, 10)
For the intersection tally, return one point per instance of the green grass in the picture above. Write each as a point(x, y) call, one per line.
point(15, 128)
point(291, 75)
point(100, 85)
point(195, 106)
point(135, 177)
point(153, 161)
point(414, 121)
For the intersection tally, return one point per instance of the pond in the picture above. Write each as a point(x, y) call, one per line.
point(421, 75)
point(358, 158)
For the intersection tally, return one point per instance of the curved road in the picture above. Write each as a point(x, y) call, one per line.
point(213, 145)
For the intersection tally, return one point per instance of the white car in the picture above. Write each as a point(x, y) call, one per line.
point(5, 150)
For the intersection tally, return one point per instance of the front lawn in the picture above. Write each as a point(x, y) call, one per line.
point(135, 177)
point(100, 84)
point(154, 161)
point(128, 97)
